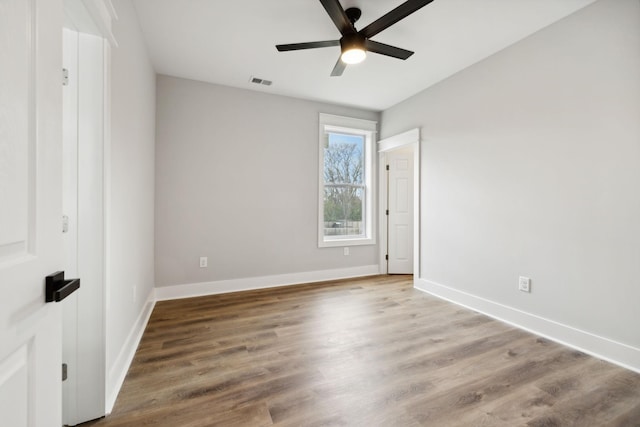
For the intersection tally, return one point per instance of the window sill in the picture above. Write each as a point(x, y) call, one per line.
point(346, 242)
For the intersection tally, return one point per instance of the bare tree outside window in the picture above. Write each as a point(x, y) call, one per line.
point(344, 185)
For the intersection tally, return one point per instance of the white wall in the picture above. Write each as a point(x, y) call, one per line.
point(531, 166)
point(237, 181)
point(130, 198)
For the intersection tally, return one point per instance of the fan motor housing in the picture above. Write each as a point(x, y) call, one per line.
point(352, 41)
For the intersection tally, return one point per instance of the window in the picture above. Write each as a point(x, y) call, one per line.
point(346, 181)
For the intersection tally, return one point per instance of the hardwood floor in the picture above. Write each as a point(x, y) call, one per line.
point(364, 352)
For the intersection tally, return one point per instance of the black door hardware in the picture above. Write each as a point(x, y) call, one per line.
point(57, 288)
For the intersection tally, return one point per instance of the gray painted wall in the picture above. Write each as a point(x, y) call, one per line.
point(130, 185)
point(237, 181)
point(531, 166)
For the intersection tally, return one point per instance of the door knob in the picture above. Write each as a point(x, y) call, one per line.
point(57, 288)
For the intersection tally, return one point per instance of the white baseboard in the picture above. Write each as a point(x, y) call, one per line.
point(119, 370)
point(189, 290)
point(603, 348)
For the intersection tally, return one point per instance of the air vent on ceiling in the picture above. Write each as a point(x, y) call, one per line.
point(259, 81)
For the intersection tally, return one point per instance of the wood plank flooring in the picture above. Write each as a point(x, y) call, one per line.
point(363, 352)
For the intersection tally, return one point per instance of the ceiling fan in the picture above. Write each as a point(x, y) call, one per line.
point(354, 44)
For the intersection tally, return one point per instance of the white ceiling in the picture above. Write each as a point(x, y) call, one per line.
point(228, 42)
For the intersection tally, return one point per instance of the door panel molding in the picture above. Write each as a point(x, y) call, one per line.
point(14, 387)
point(17, 138)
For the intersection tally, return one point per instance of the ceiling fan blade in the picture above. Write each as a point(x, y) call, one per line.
point(385, 49)
point(338, 16)
point(339, 68)
point(387, 20)
point(308, 45)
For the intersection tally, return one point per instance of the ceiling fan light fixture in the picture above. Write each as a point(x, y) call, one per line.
point(353, 51)
point(353, 56)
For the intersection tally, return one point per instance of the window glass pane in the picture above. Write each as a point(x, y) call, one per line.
point(344, 159)
point(344, 188)
point(343, 210)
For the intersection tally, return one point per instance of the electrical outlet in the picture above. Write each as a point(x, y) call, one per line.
point(203, 261)
point(524, 284)
point(346, 251)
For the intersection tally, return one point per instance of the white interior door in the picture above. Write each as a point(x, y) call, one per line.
point(400, 206)
point(30, 210)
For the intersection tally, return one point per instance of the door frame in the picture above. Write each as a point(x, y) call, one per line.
point(91, 20)
point(408, 139)
point(84, 338)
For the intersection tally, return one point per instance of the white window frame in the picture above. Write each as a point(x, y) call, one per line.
point(366, 128)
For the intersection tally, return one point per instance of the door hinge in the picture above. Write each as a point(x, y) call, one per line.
point(387, 167)
point(65, 77)
point(387, 212)
point(386, 257)
point(64, 372)
point(65, 224)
